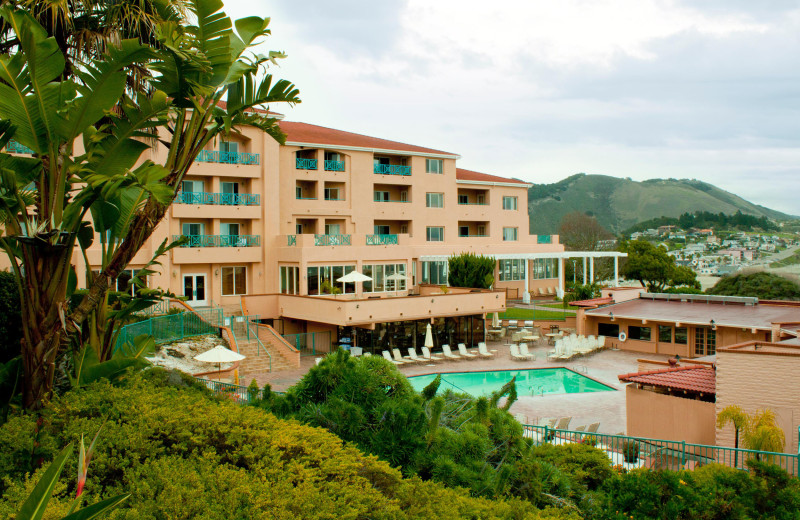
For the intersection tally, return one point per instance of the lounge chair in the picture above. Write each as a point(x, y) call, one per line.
point(529, 323)
point(412, 355)
point(448, 354)
point(388, 357)
point(550, 291)
point(483, 352)
point(516, 355)
point(523, 351)
point(601, 342)
point(462, 349)
point(593, 427)
point(549, 422)
point(427, 356)
point(399, 357)
point(542, 292)
point(563, 423)
point(567, 354)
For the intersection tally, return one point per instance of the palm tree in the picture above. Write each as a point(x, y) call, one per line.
point(735, 415)
point(759, 431)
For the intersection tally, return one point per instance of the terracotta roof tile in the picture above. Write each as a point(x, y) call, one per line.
point(700, 379)
point(469, 175)
point(313, 134)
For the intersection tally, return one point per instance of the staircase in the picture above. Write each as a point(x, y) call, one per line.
point(258, 347)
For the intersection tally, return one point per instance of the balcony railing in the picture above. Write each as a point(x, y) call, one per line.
point(332, 240)
point(544, 239)
point(473, 203)
point(393, 200)
point(220, 240)
point(392, 169)
point(381, 240)
point(217, 156)
point(334, 166)
point(291, 240)
point(470, 236)
point(305, 164)
point(223, 199)
point(15, 147)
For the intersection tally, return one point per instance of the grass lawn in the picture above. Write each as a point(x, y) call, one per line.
point(531, 314)
point(554, 305)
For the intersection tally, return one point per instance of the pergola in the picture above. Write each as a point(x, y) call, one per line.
point(561, 256)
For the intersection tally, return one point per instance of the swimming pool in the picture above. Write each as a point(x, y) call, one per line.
point(534, 381)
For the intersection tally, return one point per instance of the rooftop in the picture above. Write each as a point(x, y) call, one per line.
point(469, 175)
point(763, 348)
point(700, 379)
point(309, 135)
point(593, 302)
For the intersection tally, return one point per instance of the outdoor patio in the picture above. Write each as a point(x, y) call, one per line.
point(607, 408)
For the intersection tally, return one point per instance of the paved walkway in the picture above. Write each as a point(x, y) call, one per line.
point(607, 408)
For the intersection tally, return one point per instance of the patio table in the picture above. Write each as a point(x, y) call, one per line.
point(551, 337)
point(531, 338)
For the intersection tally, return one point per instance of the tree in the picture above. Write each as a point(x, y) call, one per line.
point(767, 286)
point(736, 416)
point(46, 199)
point(654, 268)
point(581, 232)
point(758, 431)
point(470, 270)
point(10, 329)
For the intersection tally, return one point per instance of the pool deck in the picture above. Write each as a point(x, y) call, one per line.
point(607, 408)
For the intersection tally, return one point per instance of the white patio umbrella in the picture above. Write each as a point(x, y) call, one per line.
point(496, 320)
point(396, 277)
point(354, 276)
point(219, 355)
point(428, 336)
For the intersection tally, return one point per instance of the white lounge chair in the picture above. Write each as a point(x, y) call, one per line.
point(427, 356)
point(483, 352)
point(523, 351)
point(448, 354)
point(388, 357)
point(412, 355)
point(399, 357)
point(462, 349)
point(601, 342)
point(515, 353)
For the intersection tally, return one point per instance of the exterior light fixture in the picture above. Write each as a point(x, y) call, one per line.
point(611, 315)
point(713, 325)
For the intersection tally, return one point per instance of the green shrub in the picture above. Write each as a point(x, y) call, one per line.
point(630, 451)
point(766, 286)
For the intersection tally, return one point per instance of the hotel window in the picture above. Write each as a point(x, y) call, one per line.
point(290, 279)
point(229, 147)
point(705, 341)
point(381, 196)
point(609, 330)
point(231, 188)
point(317, 277)
point(664, 334)
point(124, 283)
point(380, 278)
point(434, 272)
point(333, 156)
point(681, 335)
point(332, 229)
point(192, 186)
point(509, 203)
point(434, 165)
point(192, 229)
point(435, 234)
point(234, 281)
point(298, 192)
point(509, 234)
point(544, 268)
point(332, 194)
point(640, 333)
point(511, 270)
point(463, 199)
point(381, 230)
point(434, 200)
point(298, 228)
point(463, 231)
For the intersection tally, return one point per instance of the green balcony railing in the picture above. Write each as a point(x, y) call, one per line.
point(381, 240)
point(291, 240)
point(544, 239)
point(218, 156)
point(473, 203)
point(15, 147)
point(223, 199)
point(471, 236)
point(220, 240)
point(334, 166)
point(332, 240)
point(305, 164)
point(392, 169)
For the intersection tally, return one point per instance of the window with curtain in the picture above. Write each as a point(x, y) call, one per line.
point(234, 281)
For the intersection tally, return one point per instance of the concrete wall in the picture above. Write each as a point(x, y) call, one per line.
point(662, 416)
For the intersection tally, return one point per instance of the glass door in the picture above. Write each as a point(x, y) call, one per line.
point(194, 289)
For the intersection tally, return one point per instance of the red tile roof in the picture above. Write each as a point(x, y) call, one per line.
point(313, 134)
point(701, 379)
point(594, 302)
point(469, 175)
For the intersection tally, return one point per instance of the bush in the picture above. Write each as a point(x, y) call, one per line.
point(11, 324)
point(766, 286)
point(182, 453)
point(470, 270)
point(630, 451)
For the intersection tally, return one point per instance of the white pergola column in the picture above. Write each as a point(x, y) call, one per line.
point(591, 269)
point(526, 295)
point(584, 270)
point(616, 271)
point(560, 293)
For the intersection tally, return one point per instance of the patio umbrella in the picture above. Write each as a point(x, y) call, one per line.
point(353, 276)
point(396, 277)
point(219, 355)
point(428, 336)
point(496, 320)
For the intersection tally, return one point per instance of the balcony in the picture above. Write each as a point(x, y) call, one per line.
point(305, 164)
point(332, 240)
point(222, 199)
point(333, 166)
point(544, 239)
point(392, 169)
point(473, 203)
point(219, 240)
point(15, 147)
point(382, 240)
point(217, 156)
point(472, 236)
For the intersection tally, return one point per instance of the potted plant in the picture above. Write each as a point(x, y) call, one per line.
point(630, 451)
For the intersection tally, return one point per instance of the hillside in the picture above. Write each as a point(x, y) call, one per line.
point(620, 203)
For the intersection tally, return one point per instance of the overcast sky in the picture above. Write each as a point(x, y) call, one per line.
point(540, 90)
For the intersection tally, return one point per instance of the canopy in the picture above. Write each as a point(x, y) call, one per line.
point(219, 354)
point(354, 276)
point(428, 336)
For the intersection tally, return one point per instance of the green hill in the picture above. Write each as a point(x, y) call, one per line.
point(620, 203)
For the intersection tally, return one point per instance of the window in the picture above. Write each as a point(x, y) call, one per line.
point(230, 187)
point(434, 200)
point(192, 229)
point(481, 199)
point(434, 165)
point(705, 341)
point(463, 231)
point(381, 281)
point(544, 268)
point(298, 228)
point(229, 146)
point(482, 231)
point(509, 234)
point(404, 229)
point(192, 186)
point(512, 270)
point(681, 335)
point(404, 196)
point(332, 229)
point(298, 192)
point(229, 229)
point(332, 194)
point(321, 278)
point(665, 334)
point(639, 333)
point(610, 330)
point(509, 203)
point(381, 230)
point(290, 279)
point(435, 234)
point(381, 196)
point(434, 272)
point(463, 199)
point(333, 156)
point(124, 282)
point(234, 281)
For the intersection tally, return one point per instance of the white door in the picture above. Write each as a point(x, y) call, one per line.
point(194, 288)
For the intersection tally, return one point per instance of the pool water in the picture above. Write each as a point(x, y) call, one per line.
point(535, 381)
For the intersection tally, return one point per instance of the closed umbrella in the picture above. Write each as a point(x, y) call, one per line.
point(428, 336)
point(496, 320)
point(219, 355)
point(396, 277)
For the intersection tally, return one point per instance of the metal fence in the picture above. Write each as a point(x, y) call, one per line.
point(236, 393)
point(172, 327)
point(310, 343)
point(534, 312)
point(634, 452)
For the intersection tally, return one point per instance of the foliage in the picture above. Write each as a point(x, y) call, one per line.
point(578, 292)
point(630, 451)
point(766, 286)
point(763, 433)
point(11, 324)
point(328, 288)
point(470, 270)
point(182, 453)
point(539, 312)
point(706, 220)
point(581, 232)
point(736, 416)
point(654, 268)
